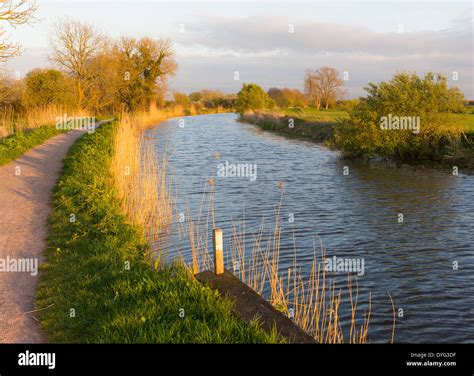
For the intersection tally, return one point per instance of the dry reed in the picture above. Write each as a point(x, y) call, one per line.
point(11, 122)
point(312, 301)
point(139, 175)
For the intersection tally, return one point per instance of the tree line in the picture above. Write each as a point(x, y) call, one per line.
point(101, 74)
point(94, 72)
point(322, 88)
point(91, 71)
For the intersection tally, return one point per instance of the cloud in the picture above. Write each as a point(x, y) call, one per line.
point(257, 34)
point(263, 51)
point(267, 53)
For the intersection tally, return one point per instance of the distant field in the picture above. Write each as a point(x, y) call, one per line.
point(311, 114)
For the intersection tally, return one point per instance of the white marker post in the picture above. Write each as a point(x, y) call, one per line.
point(218, 251)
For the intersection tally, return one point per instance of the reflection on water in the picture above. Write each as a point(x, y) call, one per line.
point(355, 215)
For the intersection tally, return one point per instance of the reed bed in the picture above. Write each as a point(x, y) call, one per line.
point(312, 301)
point(140, 177)
point(12, 122)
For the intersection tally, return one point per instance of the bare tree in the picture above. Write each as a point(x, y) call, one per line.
point(14, 13)
point(312, 87)
point(331, 85)
point(75, 46)
point(323, 86)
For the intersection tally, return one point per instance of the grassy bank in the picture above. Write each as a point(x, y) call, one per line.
point(87, 293)
point(321, 126)
point(294, 124)
point(19, 143)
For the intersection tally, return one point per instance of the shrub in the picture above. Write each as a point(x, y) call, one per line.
point(251, 98)
point(48, 87)
point(427, 99)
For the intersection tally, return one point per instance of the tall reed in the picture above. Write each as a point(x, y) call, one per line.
point(140, 178)
point(11, 121)
point(312, 301)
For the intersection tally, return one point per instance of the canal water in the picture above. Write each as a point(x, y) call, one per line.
point(412, 227)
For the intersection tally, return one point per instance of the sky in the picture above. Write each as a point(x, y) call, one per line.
point(273, 43)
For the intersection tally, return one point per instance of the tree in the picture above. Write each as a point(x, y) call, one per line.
point(181, 99)
point(211, 94)
point(312, 88)
point(212, 99)
point(101, 93)
point(297, 98)
point(323, 86)
point(423, 101)
point(75, 45)
point(253, 97)
point(226, 101)
point(277, 95)
point(195, 96)
point(14, 13)
point(287, 97)
point(330, 85)
point(145, 65)
point(45, 87)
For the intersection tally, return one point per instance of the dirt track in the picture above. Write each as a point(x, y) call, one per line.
point(24, 209)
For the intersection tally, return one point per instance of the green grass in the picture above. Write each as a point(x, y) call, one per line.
point(311, 114)
point(85, 270)
point(320, 126)
point(308, 124)
point(19, 143)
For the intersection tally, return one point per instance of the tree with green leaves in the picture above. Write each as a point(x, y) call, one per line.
point(426, 99)
point(44, 87)
point(143, 64)
point(252, 98)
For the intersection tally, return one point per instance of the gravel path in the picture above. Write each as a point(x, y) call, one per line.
point(25, 192)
